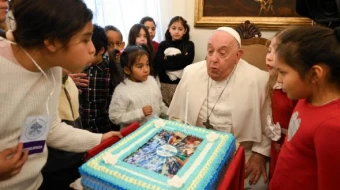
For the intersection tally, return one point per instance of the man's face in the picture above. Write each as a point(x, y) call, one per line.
point(223, 54)
point(3, 10)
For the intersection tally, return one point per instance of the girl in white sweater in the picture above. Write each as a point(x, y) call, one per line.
point(138, 97)
point(48, 34)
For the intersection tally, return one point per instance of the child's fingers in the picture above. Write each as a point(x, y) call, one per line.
point(81, 84)
point(22, 160)
point(83, 81)
point(82, 74)
point(9, 151)
point(18, 153)
point(78, 75)
point(117, 134)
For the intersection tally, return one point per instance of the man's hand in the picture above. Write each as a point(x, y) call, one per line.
point(79, 80)
point(255, 167)
point(11, 161)
point(147, 110)
point(111, 134)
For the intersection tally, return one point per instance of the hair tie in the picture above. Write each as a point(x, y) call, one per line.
point(136, 47)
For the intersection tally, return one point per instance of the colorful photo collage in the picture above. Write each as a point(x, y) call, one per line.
point(165, 153)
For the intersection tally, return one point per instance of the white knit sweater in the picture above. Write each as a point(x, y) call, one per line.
point(24, 93)
point(130, 97)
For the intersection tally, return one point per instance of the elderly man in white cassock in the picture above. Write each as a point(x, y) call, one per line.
point(228, 94)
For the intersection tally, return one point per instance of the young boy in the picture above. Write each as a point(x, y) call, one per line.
point(116, 43)
point(115, 38)
point(95, 98)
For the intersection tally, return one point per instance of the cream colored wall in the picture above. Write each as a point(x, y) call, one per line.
point(186, 8)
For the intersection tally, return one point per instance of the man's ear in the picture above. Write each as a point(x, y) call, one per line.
point(52, 45)
point(127, 71)
point(239, 54)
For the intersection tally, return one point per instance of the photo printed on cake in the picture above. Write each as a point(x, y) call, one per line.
point(165, 153)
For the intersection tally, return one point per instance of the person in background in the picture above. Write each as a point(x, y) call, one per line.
point(282, 107)
point(139, 35)
point(138, 97)
point(115, 38)
point(31, 80)
point(115, 47)
point(231, 97)
point(174, 54)
point(61, 168)
point(150, 24)
point(307, 60)
point(6, 19)
point(95, 99)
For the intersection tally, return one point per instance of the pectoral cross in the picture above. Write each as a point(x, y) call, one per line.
point(207, 124)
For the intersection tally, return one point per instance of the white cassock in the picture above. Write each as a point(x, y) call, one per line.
point(242, 109)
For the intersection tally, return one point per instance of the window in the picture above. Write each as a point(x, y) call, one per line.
point(123, 14)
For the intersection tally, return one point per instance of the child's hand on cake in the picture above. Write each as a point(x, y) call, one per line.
point(147, 110)
point(111, 134)
point(11, 161)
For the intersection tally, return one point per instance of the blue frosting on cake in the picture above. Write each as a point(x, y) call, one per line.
point(201, 169)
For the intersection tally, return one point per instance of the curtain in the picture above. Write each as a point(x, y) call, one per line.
point(123, 14)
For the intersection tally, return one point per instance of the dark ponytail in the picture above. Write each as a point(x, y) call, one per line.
point(115, 76)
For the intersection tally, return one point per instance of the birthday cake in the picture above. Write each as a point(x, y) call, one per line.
point(161, 154)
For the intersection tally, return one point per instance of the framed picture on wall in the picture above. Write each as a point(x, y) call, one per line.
point(265, 14)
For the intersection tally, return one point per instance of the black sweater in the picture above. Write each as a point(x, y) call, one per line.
point(173, 63)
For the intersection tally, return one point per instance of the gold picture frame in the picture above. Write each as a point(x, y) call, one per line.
point(262, 22)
